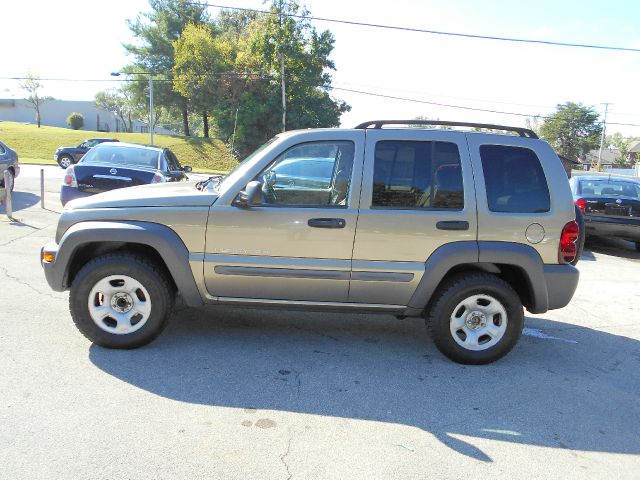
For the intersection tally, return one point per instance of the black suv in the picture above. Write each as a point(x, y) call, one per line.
point(66, 156)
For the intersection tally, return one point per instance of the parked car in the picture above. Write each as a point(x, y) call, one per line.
point(610, 205)
point(67, 156)
point(117, 165)
point(8, 163)
point(461, 228)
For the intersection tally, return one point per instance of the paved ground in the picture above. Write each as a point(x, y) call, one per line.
point(244, 394)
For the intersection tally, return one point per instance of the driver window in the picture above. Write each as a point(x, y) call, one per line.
point(310, 174)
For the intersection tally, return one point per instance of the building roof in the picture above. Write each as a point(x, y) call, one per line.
point(634, 147)
point(609, 156)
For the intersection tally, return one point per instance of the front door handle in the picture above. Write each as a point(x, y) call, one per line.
point(454, 225)
point(327, 222)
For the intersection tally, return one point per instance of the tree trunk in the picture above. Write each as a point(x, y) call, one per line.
point(38, 116)
point(205, 122)
point(185, 121)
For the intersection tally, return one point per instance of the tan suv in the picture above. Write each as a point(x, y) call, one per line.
point(464, 228)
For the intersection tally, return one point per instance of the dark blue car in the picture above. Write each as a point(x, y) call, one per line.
point(118, 165)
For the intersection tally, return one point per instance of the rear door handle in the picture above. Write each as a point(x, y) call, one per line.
point(453, 225)
point(327, 222)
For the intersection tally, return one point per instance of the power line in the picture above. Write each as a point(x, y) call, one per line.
point(360, 92)
point(421, 30)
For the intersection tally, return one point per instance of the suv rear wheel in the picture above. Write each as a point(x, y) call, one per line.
point(475, 318)
point(120, 301)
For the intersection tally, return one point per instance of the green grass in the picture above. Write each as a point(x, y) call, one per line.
point(37, 145)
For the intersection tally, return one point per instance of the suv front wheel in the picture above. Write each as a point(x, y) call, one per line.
point(120, 301)
point(475, 318)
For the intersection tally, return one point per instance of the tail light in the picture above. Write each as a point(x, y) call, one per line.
point(157, 178)
point(582, 204)
point(568, 250)
point(70, 178)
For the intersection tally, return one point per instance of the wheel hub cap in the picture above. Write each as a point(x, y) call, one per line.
point(121, 302)
point(476, 320)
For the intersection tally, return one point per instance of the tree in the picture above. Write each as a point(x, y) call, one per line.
point(32, 85)
point(201, 59)
point(117, 102)
point(156, 31)
point(75, 120)
point(260, 44)
point(622, 144)
point(573, 130)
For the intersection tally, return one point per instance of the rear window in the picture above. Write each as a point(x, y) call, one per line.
point(420, 175)
point(514, 180)
point(604, 187)
point(132, 156)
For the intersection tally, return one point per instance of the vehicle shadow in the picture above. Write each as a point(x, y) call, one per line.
point(554, 390)
point(20, 201)
point(613, 246)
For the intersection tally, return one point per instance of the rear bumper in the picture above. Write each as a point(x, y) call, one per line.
point(69, 193)
point(562, 281)
point(613, 227)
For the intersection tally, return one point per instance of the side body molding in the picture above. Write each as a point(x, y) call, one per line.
point(164, 240)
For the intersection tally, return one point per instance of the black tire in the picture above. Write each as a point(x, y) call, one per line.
point(455, 290)
point(12, 180)
point(581, 235)
point(64, 159)
point(152, 278)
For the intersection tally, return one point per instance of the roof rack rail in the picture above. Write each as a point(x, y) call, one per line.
point(523, 132)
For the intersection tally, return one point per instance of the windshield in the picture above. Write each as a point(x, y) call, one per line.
point(239, 170)
point(131, 156)
point(604, 187)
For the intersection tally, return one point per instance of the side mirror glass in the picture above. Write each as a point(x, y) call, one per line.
point(251, 195)
point(187, 169)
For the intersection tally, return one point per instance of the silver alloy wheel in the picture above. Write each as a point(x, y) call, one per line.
point(119, 304)
point(65, 162)
point(478, 322)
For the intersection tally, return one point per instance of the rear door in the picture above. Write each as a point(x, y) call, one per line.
point(417, 195)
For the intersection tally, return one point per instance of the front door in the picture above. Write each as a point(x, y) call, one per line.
point(297, 243)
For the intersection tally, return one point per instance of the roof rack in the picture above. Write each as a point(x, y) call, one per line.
point(523, 132)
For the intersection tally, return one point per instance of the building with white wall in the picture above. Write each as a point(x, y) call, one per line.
point(54, 113)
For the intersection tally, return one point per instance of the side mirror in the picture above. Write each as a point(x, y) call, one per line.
point(187, 169)
point(251, 195)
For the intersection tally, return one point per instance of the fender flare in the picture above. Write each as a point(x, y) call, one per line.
point(160, 237)
point(478, 255)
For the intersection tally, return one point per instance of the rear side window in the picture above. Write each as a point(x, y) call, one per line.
point(420, 175)
point(514, 180)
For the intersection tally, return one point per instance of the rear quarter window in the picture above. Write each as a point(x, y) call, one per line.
point(514, 180)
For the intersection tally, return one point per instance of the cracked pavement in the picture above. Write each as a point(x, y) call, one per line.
point(241, 394)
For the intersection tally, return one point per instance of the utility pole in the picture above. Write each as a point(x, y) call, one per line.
point(604, 128)
point(151, 116)
point(284, 97)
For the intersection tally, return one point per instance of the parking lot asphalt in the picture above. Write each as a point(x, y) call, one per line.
point(248, 394)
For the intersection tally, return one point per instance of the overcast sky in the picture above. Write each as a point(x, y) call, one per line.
point(82, 39)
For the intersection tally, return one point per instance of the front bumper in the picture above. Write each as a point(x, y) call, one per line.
point(562, 281)
point(55, 277)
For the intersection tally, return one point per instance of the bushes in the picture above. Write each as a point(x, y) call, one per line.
point(75, 120)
